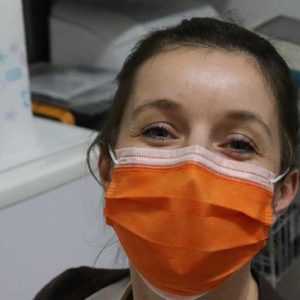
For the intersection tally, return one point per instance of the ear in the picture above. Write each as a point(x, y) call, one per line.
point(286, 192)
point(105, 166)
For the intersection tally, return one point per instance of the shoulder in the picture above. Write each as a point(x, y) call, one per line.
point(79, 283)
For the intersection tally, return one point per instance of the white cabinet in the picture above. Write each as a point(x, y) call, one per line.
point(50, 217)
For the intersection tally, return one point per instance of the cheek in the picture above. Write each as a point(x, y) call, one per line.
point(123, 137)
point(272, 159)
point(274, 151)
point(277, 153)
point(122, 140)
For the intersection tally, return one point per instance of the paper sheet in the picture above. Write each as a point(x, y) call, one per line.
point(17, 137)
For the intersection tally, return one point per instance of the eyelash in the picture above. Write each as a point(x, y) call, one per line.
point(163, 128)
point(248, 147)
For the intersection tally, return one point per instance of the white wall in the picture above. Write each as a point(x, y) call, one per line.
point(253, 12)
point(291, 7)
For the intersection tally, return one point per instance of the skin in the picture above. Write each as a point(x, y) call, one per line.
point(211, 88)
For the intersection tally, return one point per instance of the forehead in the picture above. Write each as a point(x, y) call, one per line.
point(206, 82)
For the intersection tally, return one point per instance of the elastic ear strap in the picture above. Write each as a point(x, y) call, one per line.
point(112, 155)
point(279, 177)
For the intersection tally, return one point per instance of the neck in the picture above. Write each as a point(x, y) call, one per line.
point(240, 286)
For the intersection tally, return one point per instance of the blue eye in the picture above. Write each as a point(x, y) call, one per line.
point(158, 132)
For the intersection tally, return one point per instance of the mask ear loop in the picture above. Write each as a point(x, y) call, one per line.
point(279, 177)
point(274, 181)
point(112, 155)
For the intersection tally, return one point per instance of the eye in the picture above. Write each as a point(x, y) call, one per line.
point(240, 145)
point(161, 131)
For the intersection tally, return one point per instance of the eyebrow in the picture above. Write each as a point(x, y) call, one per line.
point(162, 104)
point(236, 115)
point(246, 116)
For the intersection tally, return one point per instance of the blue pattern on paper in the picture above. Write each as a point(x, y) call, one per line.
point(13, 74)
point(26, 98)
point(14, 83)
point(2, 58)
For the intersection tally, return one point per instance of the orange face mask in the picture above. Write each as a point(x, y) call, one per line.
point(188, 218)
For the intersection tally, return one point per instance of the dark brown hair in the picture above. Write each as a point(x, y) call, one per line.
point(215, 34)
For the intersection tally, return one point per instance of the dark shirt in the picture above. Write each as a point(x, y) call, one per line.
point(80, 283)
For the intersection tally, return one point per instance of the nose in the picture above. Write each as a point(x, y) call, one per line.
point(199, 135)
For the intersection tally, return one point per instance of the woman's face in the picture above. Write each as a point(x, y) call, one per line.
point(213, 98)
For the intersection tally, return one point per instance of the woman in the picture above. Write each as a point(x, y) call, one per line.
point(197, 162)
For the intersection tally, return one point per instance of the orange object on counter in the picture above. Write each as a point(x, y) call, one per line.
point(53, 112)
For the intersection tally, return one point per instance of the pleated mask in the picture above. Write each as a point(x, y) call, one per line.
point(188, 218)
